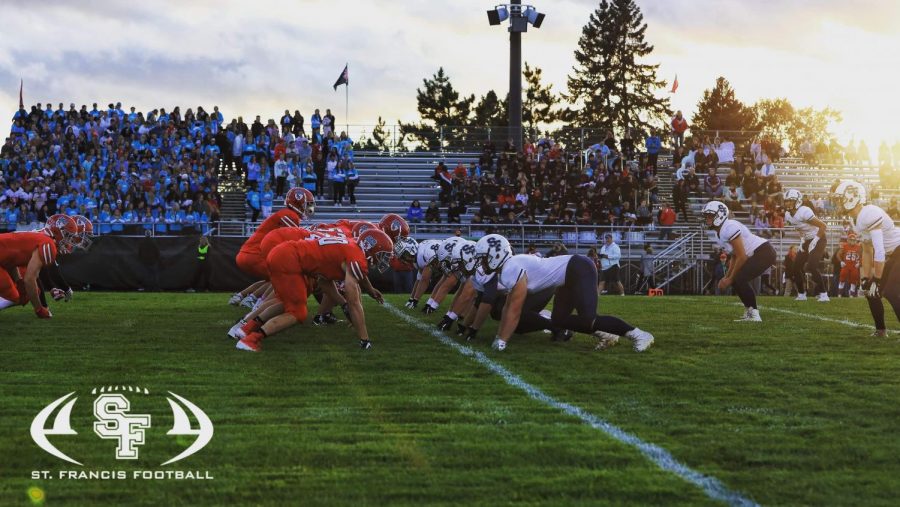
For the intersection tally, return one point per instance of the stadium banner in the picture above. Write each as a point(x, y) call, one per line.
point(162, 263)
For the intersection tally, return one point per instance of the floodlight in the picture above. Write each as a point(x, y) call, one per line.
point(534, 17)
point(498, 15)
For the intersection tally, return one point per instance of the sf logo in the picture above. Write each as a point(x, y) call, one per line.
point(114, 422)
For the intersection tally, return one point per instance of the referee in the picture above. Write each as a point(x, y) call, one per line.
point(609, 264)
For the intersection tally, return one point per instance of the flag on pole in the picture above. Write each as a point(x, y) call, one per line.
point(674, 85)
point(343, 79)
point(21, 102)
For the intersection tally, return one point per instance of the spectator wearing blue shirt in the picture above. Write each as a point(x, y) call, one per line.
point(12, 217)
point(352, 179)
point(105, 219)
point(338, 183)
point(414, 213)
point(267, 197)
point(117, 222)
point(654, 145)
point(253, 172)
point(253, 200)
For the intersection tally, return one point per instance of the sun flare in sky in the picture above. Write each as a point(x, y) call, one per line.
point(264, 57)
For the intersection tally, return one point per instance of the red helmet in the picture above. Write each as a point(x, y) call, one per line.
point(63, 230)
point(300, 200)
point(394, 226)
point(377, 247)
point(85, 231)
point(310, 203)
point(360, 227)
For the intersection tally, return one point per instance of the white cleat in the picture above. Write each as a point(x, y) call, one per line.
point(800, 297)
point(499, 345)
point(745, 316)
point(235, 299)
point(823, 298)
point(752, 315)
point(248, 301)
point(640, 340)
point(236, 332)
point(605, 340)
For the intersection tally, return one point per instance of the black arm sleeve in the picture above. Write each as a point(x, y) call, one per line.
point(52, 278)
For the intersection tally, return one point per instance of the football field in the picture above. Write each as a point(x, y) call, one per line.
point(802, 409)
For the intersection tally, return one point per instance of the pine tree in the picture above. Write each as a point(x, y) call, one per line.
point(719, 109)
point(610, 86)
point(439, 105)
point(491, 111)
point(539, 103)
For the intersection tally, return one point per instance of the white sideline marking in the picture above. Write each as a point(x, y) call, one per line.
point(844, 322)
point(661, 457)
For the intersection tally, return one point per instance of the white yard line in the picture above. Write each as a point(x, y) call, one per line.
point(843, 322)
point(661, 457)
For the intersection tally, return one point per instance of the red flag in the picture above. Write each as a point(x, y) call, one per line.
point(21, 102)
point(674, 85)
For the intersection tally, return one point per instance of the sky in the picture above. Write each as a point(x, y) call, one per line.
point(262, 57)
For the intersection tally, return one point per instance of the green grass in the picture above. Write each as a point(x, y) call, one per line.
point(792, 411)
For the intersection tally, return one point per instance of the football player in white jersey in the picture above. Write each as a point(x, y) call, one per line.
point(425, 263)
point(462, 264)
point(812, 245)
point(448, 280)
point(881, 255)
point(752, 255)
point(572, 278)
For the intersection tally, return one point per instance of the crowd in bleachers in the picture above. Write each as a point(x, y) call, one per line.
point(512, 186)
point(125, 170)
point(273, 158)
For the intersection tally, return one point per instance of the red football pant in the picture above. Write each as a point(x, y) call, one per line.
point(288, 281)
point(252, 264)
point(850, 274)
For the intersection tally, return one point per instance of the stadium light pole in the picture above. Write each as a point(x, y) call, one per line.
point(519, 19)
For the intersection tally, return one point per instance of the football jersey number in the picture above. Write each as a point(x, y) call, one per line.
point(333, 241)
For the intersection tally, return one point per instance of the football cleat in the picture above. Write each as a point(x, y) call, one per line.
point(365, 344)
point(460, 329)
point(236, 332)
point(235, 299)
point(800, 297)
point(752, 315)
point(605, 340)
point(250, 343)
point(428, 309)
point(640, 340)
point(445, 323)
point(411, 303)
point(248, 301)
point(823, 298)
point(744, 316)
point(498, 345)
point(879, 333)
point(563, 335)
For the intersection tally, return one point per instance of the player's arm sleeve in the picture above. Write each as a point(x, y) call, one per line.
point(878, 244)
point(54, 277)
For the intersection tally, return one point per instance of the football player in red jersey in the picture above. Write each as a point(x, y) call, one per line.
point(299, 205)
point(851, 256)
point(333, 258)
point(394, 226)
point(33, 251)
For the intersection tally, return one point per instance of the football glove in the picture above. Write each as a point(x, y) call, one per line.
point(445, 323)
point(365, 344)
point(812, 244)
point(428, 309)
point(471, 334)
point(874, 291)
point(57, 294)
point(412, 303)
point(460, 329)
point(43, 313)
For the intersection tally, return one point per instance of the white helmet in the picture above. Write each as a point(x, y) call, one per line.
point(430, 249)
point(793, 195)
point(492, 251)
point(405, 249)
point(717, 210)
point(462, 258)
point(445, 253)
point(851, 194)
